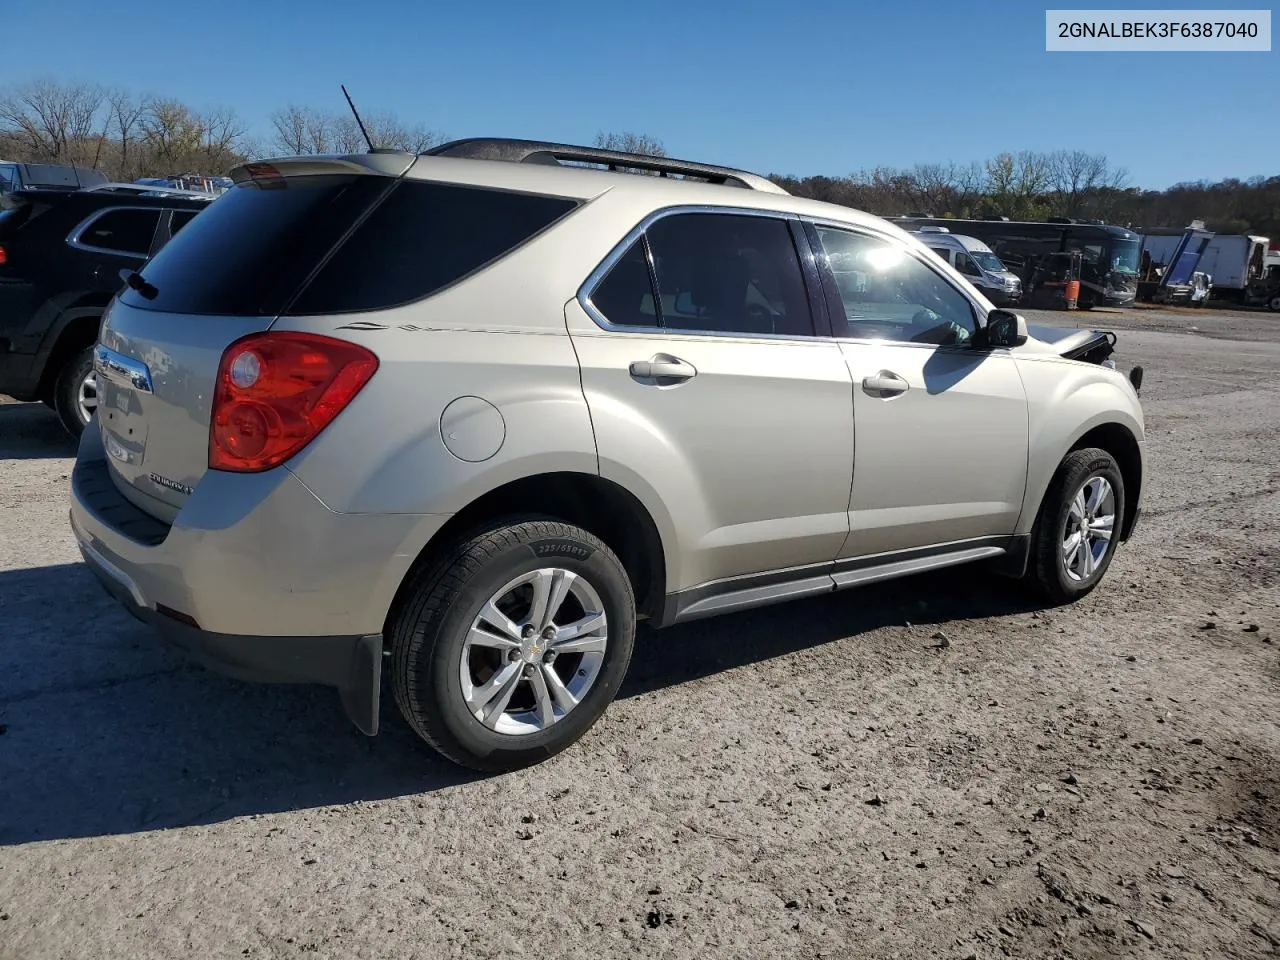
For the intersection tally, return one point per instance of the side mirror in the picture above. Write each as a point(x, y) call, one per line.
point(1004, 329)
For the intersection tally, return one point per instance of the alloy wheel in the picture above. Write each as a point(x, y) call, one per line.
point(1090, 523)
point(534, 651)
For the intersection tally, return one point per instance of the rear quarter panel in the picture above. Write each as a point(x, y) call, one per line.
point(1065, 400)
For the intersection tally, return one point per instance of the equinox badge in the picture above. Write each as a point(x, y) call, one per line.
point(171, 484)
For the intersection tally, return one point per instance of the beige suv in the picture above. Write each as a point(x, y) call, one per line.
point(471, 415)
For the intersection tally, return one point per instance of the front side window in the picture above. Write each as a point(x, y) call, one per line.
point(122, 231)
point(965, 264)
point(715, 272)
point(888, 294)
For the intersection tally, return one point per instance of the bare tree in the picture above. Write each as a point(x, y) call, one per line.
point(172, 130)
point(55, 121)
point(290, 124)
point(302, 130)
point(640, 143)
point(126, 112)
point(223, 130)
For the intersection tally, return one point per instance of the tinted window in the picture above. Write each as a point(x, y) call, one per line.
point(250, 250)
point(889, 294)
point(180, 219)
point(8, 177)
point(726, 273)
point(422, 238)
point(944, 254)
point(124, 231)
point(625, 295)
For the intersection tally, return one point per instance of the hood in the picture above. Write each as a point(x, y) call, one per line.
point(1091, 346)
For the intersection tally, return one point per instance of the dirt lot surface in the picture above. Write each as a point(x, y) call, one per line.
point(821, 779)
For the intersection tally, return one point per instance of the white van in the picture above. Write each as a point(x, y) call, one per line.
point(976, 261)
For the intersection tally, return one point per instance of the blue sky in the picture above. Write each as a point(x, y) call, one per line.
point(819, 87)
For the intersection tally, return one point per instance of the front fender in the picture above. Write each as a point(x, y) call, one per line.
point(1066, 400)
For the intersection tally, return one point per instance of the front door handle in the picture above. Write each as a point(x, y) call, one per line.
point(884, 385)
point(664, 368)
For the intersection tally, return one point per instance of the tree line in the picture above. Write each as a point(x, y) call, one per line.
point(128, 136)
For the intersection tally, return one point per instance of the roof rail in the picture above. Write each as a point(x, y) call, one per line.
point(147, 190)
point(553, 154)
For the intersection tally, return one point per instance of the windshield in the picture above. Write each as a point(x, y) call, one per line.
point(988, 261)
point(1124, 256)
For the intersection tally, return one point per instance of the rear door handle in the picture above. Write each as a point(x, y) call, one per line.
point(884, 384)
point(663, 367)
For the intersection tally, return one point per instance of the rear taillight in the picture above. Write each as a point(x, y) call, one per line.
point(4, 255)
point(276, 391)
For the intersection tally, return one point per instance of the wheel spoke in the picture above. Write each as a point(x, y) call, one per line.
point(491, 615)
point(544, 706)
point(581, 645)
point(1101, 527)
point(491, 698)
point(485, 638)
point(1078, 507)
point(542, 583)
point(565, 700)
point(561, 583)
point(1098, 488)
point(1073, 554)
point(572, 631)
point(1087, 565)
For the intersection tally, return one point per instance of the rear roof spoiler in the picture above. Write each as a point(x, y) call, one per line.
point(557, 154)
point(391, 163)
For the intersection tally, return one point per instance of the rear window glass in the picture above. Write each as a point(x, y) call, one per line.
point(422, 238)
point(252, 248)
point(180, 219)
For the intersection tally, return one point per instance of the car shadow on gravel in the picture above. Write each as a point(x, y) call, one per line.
point(31, 431)
point(699, 649)
point(105, 731)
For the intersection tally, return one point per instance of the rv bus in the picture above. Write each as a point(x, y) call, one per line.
point(1109, 254)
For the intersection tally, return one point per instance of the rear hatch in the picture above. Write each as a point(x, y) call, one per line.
point(229, 273)
point(305, 237)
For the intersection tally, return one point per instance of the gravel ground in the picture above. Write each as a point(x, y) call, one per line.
point(821, 779)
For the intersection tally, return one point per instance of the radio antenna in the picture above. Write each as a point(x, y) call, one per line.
point(355, 113)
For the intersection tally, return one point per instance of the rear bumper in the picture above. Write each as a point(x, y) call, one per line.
point(255, 578)
point(352, 664)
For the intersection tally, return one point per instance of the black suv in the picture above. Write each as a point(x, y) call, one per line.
point(61, 256)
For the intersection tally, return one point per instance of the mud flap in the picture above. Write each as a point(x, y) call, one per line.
point(361, 693)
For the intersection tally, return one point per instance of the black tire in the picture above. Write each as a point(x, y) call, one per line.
point(1047, 570)
point(428, 635)
point(66, 391)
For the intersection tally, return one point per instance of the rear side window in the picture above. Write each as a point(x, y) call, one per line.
point(250, 250)
point(121, 231)
point(422, 238)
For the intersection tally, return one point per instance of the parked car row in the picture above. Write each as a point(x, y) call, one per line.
point(61, 255)
point(468, 417)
